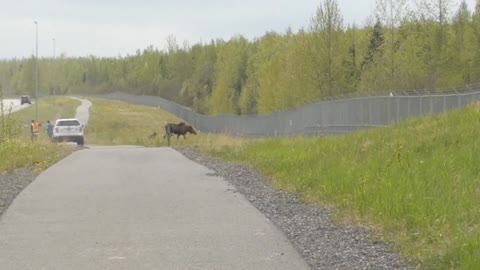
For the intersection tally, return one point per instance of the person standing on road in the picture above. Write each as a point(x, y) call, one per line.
point(49, 130)
point(35, 129)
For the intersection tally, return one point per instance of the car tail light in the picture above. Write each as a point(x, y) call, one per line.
point(56, 129)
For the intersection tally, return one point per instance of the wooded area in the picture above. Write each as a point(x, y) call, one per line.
point(407, 44)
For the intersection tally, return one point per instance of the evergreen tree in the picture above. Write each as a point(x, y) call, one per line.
point(375, 45)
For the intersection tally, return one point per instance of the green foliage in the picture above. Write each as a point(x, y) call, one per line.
point(375, 45)
point(326, 49)
point(199, 87)
point(230, 76)
point(413, 57)
point(462, 48)
point(351, 68)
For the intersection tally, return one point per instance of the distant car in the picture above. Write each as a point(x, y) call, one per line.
point(25, 99)
point(68, 130)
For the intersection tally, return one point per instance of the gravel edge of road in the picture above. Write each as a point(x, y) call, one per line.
point(12, 183)
point(310, 228)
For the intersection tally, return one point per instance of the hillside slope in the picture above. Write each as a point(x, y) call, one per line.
point(417, 181)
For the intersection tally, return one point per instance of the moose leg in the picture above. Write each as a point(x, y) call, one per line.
point(168, 132)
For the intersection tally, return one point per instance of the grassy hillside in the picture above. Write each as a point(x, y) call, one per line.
point(120, 123)
point(16, 148)
point(416, 182)
point(116, 123)
point(49, 108)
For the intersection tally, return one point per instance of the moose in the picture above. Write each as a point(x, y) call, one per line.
point(180, 129)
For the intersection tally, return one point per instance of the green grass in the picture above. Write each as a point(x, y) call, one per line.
point(16, 148)
point(417, 182)
point(120, 123)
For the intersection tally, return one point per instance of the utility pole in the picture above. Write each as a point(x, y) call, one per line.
point(36, 72)
point(54, 67)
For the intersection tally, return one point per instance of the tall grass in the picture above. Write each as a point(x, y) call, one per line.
point(417, 182)
point(16, 147)
point(120, 123)
point(9, 128)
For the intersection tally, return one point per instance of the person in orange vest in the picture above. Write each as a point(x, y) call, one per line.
point(35, 129)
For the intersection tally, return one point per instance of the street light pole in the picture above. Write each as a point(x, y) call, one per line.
point(36, 71)
point(54, 69)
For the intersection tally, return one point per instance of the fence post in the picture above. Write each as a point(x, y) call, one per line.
point(431, 104)
point(398, 109)
point(444, 103)
point(421, 105)
point(408, 107)
point(370, 122)
point(389, 109)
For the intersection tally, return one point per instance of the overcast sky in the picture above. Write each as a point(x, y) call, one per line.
point(120, 27)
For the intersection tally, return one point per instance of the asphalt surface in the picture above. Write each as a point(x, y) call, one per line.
point(82, 113)
point(137, 208)
point(13, 105)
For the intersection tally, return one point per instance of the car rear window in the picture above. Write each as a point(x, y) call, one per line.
point(68, 123)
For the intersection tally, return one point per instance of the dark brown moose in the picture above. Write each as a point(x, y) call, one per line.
point(180, 129)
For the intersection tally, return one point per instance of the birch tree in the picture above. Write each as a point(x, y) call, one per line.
point(326, 45)
point(391, 13)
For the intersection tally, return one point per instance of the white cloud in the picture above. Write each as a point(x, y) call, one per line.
point(120, 27)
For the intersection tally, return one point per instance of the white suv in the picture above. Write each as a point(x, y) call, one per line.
point(68, 130)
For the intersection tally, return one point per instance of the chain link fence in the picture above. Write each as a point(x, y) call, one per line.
point(333, 116)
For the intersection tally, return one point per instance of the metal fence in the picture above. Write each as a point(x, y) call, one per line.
point(326, 117)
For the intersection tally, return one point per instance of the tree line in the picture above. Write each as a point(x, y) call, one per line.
point(406, 44)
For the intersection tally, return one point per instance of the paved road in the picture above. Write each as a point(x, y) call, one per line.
point(137, 208)
point(82, 113)
point(14, 105)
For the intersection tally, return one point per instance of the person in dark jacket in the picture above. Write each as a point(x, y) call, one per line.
point(49, 130)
